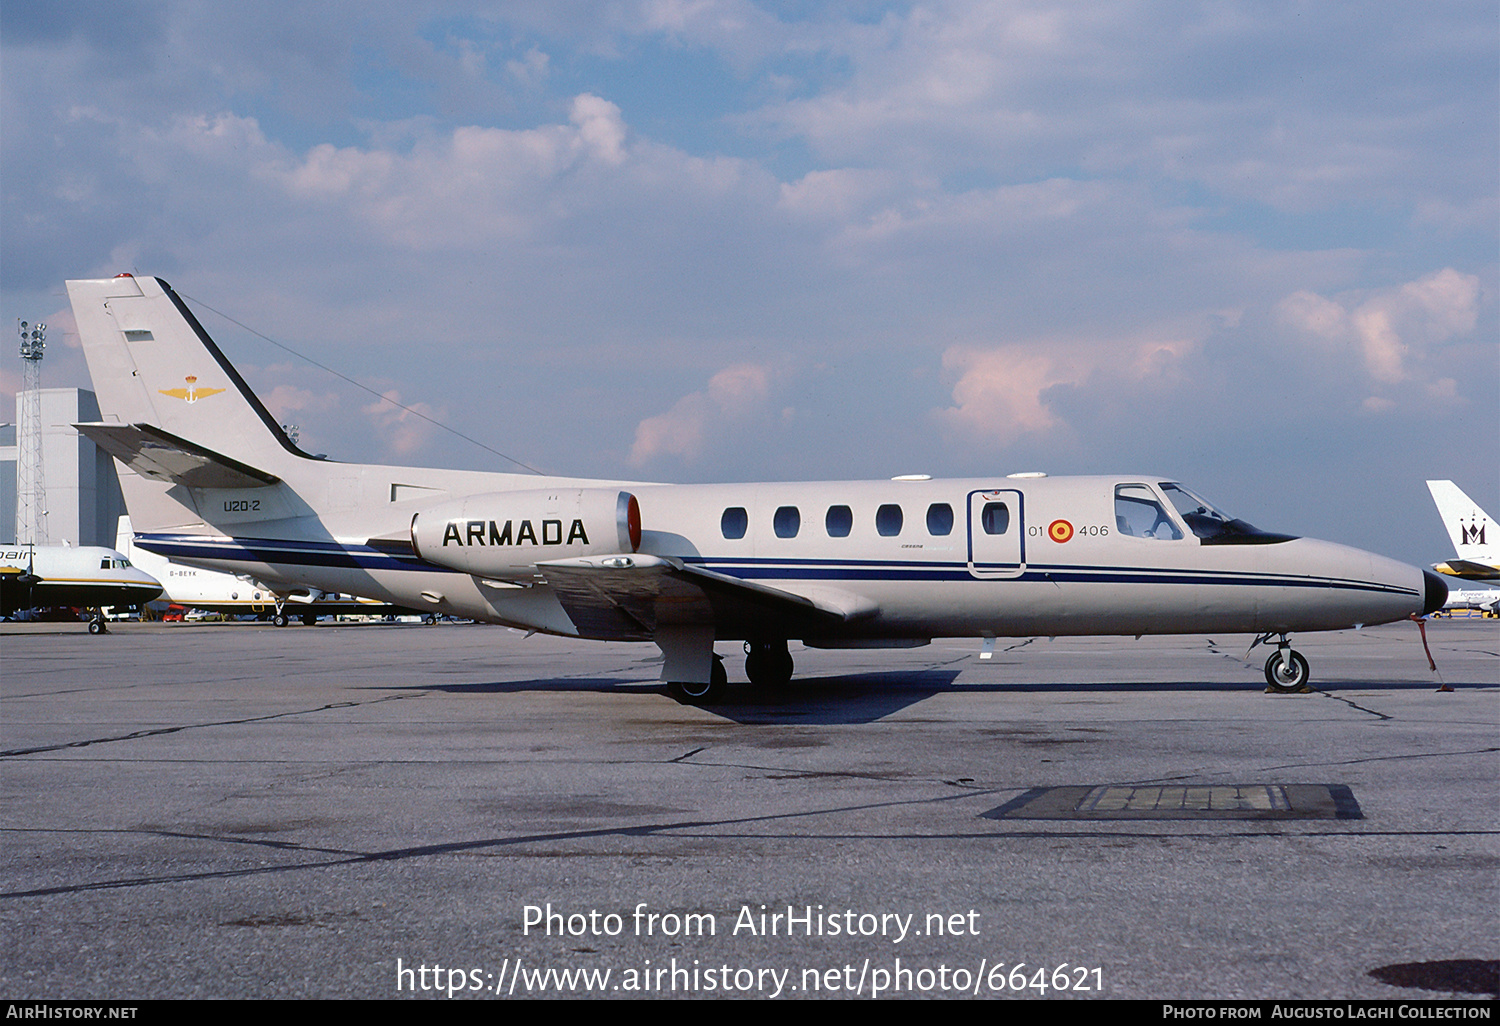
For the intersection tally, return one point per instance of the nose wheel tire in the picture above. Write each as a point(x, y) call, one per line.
point(1286, 672)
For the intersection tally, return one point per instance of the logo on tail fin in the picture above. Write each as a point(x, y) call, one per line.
point(1472, 534)
point(192, 393)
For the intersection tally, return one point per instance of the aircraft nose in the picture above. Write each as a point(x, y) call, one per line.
point(1435, 592)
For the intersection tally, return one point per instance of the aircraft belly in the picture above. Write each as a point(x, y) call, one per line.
point(1024, 607)
point(1241, 595)
point(46, 594)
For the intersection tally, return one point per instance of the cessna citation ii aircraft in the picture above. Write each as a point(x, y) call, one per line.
point(210, 479)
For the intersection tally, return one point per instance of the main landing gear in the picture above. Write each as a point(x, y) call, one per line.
point(703, 692)
point(768, 664)
point(1286, 670)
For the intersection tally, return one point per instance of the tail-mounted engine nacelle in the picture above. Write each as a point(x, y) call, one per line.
point(505, 534)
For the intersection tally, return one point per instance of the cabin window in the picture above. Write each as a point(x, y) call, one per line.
point(735, 522)
point(1140, 514)
point(939, 519)
point(840, 521)
point(787, 522)
point(994, 518)
point(888, 520)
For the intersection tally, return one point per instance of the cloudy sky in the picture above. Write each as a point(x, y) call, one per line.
point(1251, 245)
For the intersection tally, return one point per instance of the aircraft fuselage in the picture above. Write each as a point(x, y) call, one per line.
point(1061, 566)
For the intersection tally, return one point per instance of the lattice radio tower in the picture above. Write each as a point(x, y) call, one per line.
point(31, 490)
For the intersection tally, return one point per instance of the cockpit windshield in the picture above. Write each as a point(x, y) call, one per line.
point(1186, 503)
point(1213, 525)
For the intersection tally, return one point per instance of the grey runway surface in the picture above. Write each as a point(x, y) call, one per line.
point(377, 811)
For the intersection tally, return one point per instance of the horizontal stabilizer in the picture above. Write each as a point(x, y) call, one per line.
point(1469, 569)
point(162, 456)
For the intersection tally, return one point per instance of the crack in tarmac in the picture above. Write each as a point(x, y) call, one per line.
point(156, 731)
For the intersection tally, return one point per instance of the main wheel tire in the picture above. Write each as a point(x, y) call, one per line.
point(768, 664)
point(1286, 674)
point(695, 692)
point(309, 619)
point(700, 692)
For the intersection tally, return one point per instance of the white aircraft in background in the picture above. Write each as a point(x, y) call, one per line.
point(238, 594)
point(211, 479)
point(1483, 597)
point(1472, 532)
point(60, 576)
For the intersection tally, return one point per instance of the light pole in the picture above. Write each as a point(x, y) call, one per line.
point(31, 490)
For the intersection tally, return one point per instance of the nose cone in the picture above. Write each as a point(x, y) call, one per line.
point(1337, 587)
point(145, 587)
point(1435, 592)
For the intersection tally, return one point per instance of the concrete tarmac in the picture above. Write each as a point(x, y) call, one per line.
point(381, 811)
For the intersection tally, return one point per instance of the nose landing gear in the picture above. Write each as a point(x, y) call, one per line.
point(1286, 670)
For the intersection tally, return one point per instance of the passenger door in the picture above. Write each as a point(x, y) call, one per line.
point(997, 532)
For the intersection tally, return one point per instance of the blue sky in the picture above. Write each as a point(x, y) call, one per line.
point(1248, 246)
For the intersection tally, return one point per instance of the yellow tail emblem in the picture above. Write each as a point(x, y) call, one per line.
point(192, 393)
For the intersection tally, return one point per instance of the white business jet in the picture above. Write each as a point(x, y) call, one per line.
point(210, 479)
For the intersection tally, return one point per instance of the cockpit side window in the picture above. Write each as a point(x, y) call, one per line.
point(1140, 514)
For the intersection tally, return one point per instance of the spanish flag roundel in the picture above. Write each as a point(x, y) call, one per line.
point(1059, 531)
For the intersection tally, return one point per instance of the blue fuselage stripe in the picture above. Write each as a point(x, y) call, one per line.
point(360, 557)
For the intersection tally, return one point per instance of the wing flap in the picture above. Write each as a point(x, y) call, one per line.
point(162, 456)
point(628, 596)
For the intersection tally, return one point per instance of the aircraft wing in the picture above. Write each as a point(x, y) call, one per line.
point(162, 456)
point(629, 596)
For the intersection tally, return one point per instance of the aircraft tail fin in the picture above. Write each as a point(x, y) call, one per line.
point(175, 413)
point(1470, 528)
point(152, 363)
